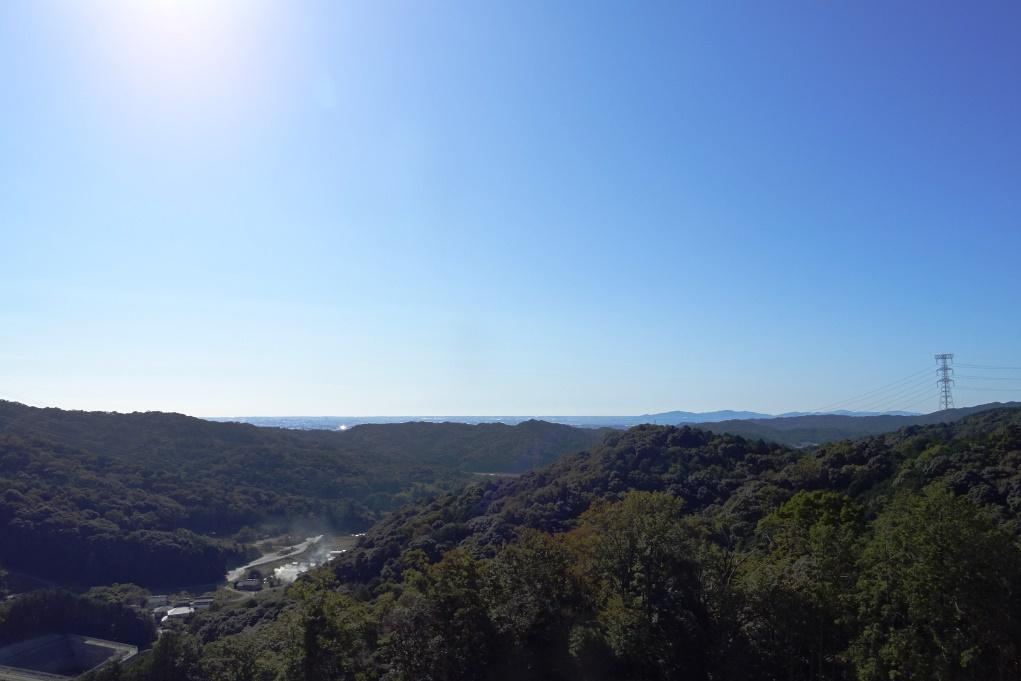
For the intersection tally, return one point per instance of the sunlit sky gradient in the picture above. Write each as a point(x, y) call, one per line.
point(474, 208)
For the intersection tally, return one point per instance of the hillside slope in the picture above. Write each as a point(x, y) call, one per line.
point(148, 497)
point(669, 553)
point(730, 479)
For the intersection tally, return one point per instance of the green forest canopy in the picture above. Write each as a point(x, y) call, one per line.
point(151, 498)
point(667, 553)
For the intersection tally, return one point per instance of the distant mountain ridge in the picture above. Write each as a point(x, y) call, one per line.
point(666, 418)
point(811, 429)
point(845, 412)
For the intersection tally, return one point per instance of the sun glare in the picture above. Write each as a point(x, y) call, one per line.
point(177, 57)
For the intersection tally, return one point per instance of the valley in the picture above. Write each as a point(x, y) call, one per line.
point(521, 555)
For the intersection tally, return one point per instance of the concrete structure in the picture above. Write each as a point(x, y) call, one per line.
point(248, 584)
point(182, 611)
point(177, 614)
point(58, 657)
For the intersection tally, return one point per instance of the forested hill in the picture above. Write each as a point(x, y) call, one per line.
point(730, 479)
point(482, 448)
point(698, 466)
point(666, 553)
point(813, 429)
point(487, 447)
point(154, 498)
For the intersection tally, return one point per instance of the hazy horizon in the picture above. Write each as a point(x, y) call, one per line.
point(569, 208)
point(753, 413)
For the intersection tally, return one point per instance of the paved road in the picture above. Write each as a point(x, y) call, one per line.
point(298, 549)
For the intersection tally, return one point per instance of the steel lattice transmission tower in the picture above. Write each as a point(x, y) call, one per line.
point(945, 371)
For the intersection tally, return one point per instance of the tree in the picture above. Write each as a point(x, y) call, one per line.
point(234, 658)
point(326, 635)
point(533, 599)
point(799, 586)
point(939, 593)
point(639, 559)
point(128, 594)
point(175, 657)
point(442, 630)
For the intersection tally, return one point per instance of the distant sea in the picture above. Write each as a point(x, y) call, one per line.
point(670, 418)
point(345, 422)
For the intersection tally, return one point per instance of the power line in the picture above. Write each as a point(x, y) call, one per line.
point(906, 398)
point(898, 395)
point(916, 403)
point(870, 393)
point(991, 378)
point(995, 390)
point(905, 387)
point(910, 390)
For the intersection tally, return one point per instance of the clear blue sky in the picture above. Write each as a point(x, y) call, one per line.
point(518, 208)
